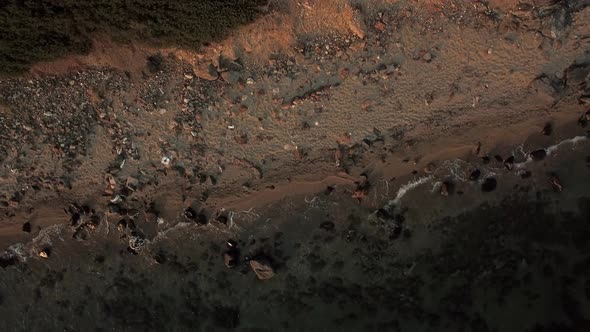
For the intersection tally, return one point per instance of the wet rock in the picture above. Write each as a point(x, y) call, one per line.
point(584, 119)
point(45, 253)
point(81, 234)
point(489, 185)
point(430, 168)
point(524, 174)
point(262, 267)
point(509, 163)
point(446, 188)
point(7, 259)
point(27, 227)
point(538, 155)
point(547, 129)
point(190, 214)
point(474, 176)
point(555, 183)
point(232, 254)
point(122, 224)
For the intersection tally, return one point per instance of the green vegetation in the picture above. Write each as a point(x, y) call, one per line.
point(36, 30)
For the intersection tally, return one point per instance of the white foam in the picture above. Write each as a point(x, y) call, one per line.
point(552, 149)
point(409, 186)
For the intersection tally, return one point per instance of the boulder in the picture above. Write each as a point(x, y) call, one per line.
point(262, 267)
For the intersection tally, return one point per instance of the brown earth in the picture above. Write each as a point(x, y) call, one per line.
point(293, 103)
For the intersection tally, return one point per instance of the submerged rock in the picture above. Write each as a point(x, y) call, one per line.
point(489, 185)
point(547, 129)
point(538, 155)
point(262, 267)
point(509, 163)
point(555, 183)
point(474, 176)
point(45, 253)
point(446, 188)
point(232, 255)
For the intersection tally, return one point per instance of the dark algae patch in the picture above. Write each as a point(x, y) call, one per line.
point(37, 30)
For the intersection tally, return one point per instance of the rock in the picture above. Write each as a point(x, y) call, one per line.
point(327, 226)
point(430, 168)
point(380, 26)
point(584, 119)
point(190, 214)
point(547, 129)
point(498, 158)
point(538, 155)
point(7, 258)
point(485, 160)
point(206, 71)
point(445, 188)
point(231, 257)
point(45, 253)
point(555, 183)
point(427, 57)
point(509, 163)
point(262, 267)
point(27, 227)
point(474, 176)
point(121, 225)
point(489, 185)
point(524, 174)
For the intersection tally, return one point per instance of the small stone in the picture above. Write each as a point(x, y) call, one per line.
point(262, 267)
point(121, 225)
point(427, 57)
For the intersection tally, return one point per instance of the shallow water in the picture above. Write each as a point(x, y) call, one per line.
point(515, 259)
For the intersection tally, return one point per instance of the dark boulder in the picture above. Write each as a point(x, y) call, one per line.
point(489, 185)
point(474, 176)
point(538, 155)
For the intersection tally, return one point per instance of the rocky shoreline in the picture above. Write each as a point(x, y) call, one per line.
point(419, 167)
